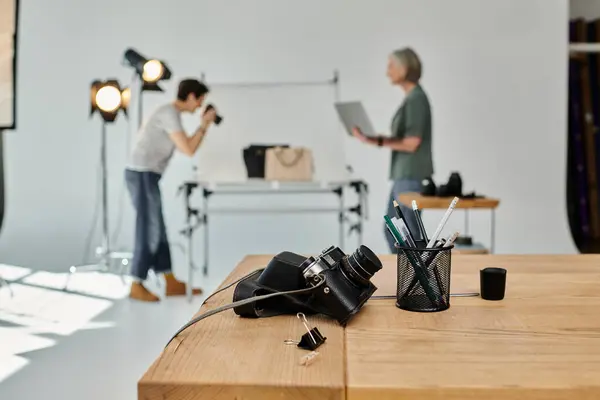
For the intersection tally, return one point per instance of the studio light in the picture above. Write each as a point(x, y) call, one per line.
point(125, 99)
point(151, 71)
point(148, 72)
point(108, 99)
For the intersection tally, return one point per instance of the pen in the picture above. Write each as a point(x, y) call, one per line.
point(420, 274)
point(402, 218)
point(392, 233)
point(442, 223)
point(441, 243)
point(404, 232)
point(451, 239)
point(419, 221)
point(398, 210)
point(432, 259)
point(431, 255)
point(447, 243)
point(393, 230)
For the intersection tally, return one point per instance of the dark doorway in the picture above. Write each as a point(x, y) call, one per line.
point(583, 161)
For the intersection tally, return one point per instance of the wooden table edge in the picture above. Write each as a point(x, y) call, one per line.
point(472, 393)
point(151, 389)
point(488, 203)
point(162, 390)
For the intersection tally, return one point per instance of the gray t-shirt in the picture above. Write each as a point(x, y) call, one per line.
point(153, 147)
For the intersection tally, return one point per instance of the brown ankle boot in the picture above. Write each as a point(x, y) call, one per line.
point(177, 288)
point(139, 292)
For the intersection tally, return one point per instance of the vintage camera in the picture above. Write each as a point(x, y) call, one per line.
point(218, 118)
point(347, 281)
point(342, 284)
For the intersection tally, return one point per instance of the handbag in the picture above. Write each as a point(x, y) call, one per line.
point(289, 164)
point(254, 158)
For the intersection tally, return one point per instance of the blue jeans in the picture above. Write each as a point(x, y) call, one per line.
point(151, 248)
point(403, 186)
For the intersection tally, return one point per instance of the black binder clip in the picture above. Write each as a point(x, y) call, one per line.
point(312, 339)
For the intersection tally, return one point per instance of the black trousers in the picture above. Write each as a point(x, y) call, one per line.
point(151, 248)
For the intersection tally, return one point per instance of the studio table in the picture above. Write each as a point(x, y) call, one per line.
point(258, 187)
point(465, 205)
point(541, 342)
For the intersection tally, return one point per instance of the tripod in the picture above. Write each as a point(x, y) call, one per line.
point(106, 256)
point(188, 231)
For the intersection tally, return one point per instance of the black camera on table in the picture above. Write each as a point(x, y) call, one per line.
point(453, 188)
point(218, 118)
point(342, 284)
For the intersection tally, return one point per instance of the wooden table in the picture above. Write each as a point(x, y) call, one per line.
point(541, 343)
point(227, 357)
point(475, 248)
point(442, 203)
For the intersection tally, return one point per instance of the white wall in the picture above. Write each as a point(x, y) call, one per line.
point(495, 71)
point(588, 9)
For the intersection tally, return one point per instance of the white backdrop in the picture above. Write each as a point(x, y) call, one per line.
point(495, 71)
point(301, 116)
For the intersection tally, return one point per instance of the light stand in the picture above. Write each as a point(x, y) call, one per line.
point(192, 222)
point(140, 103)
point(107, 99)
point(2, 281)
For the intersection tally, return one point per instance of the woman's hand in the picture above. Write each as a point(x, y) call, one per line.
point(357, 133)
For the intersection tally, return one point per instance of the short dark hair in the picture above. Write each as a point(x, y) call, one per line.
point(191, 86)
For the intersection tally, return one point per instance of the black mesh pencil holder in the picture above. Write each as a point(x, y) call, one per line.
point(423, 279)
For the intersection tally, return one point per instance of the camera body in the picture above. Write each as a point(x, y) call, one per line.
point(346, 289)
point(218, 118)
point(343, 284)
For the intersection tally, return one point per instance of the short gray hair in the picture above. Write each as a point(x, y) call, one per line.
point(410, 60)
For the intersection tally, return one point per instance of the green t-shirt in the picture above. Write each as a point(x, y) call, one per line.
point(413, 118)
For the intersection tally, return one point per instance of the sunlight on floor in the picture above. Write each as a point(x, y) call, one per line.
point(12, 272)
point(49, 311)
point(10, 365)
point(98, 284)
point(36, 308)
point(17, 341)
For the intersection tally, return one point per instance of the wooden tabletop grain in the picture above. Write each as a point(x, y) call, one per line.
point(541, 342)
point(228, 357)
point(434, 202)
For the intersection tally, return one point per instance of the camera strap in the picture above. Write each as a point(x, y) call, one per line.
point(249, 286)
point(241, 303)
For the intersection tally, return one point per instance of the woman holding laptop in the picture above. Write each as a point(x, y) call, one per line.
point(410, 139)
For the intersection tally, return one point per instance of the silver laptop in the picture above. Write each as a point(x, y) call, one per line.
point(353, 114)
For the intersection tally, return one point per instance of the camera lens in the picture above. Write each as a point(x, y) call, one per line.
point(368, 259)
point(361, 265)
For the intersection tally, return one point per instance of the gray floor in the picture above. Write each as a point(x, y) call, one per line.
point(92, 343)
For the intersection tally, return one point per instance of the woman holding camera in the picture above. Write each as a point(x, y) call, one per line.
point(411, 135)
